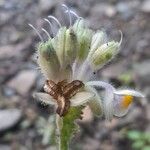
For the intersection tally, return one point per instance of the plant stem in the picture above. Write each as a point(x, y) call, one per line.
point(62, 142)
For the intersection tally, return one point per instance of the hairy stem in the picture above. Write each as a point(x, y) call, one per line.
point(63, 143)
point(66, 127)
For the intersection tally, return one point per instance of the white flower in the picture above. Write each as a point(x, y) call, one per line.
point(116, 102)
point(68, 61)
point(123, 100)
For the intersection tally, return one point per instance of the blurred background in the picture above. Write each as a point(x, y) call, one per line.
point(25, 123)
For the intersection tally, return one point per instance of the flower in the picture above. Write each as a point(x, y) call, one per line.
point(116, 102)
point(68, 61)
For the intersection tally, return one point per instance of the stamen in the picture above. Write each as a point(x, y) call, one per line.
point(37, 32)
point(69, 13)
point(121, 34)
point(50, 24)
point(55, 19)
point(46, 33)
point(73, 13)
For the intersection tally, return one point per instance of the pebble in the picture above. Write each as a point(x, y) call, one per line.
point(5, 147)
point(8, 92)
point(13, 50)
point(117, 68)
point(9, 118)
point(46, 5)
point(146, 6)
point(103, 9)
point(142, 73)
point(23, 81)
point(125, 10)
point(91, 144)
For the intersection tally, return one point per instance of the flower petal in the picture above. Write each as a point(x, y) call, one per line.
point(108, 97)
point(81, 98)
point(123, 100)
point(121, 104)
point(96, 103)
point(44, 98)
point(129, 92)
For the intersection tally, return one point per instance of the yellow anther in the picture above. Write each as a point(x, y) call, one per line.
point(126, 101)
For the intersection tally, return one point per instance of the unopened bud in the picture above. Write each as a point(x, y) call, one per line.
point(47, 60)
point(60, 45)
point(71, 46)
point(104, 54)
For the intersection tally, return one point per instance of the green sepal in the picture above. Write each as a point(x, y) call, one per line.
point(59, 41)
point(71, 46)
point(79, 25)
point(104, 54)
point(98, 39)
point(48, 60)
point(84, 37)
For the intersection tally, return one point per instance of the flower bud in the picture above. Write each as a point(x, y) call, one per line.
point(104, 54)
point(84, 37)
point(59, 41)
point(47, 60)
point(98, 39)
point(71, 46)
point(79, 25)
point(95, 103)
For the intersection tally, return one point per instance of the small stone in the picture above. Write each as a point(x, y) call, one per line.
point(8, 92)
point(91, 144)
point(107, 146)
point(146, 6)
point(104, 9)
point(142, 73)
point(126, 9)
point(9, 51)
point(23, 81)
point(111, 11)
point(114, 71)
point(9, 118)
point(46, 5)
point(5, 147)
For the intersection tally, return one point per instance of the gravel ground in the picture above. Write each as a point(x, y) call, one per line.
point(19, 76)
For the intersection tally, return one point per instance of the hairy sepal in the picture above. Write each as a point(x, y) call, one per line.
point(104, 54)
point(71, 46)
point(48, 60)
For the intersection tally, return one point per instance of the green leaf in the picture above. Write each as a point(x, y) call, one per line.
point(68, 126)
point(134, 135)
point(146, 137)
point(146, 148)
point(138, 145)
